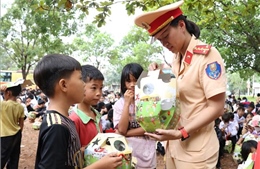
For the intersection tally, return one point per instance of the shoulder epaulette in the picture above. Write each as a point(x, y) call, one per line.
point(202, 49)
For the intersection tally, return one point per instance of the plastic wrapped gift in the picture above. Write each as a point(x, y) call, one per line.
point(31, 115)
point(105, 143)
point(228, 146)
point(36, 125)
point(155, 100)
point(237, 154)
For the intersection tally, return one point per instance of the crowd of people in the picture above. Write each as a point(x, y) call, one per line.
point(238, 127)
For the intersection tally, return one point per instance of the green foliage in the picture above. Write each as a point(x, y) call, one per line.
point(136, 47)
point(95, 47)
point(27, 34)
point(230, 25)
point(236, 84)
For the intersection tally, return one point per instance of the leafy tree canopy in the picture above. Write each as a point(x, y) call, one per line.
point(26, 34)
point(230, 25)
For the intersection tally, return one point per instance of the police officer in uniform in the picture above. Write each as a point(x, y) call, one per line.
point(201, 87)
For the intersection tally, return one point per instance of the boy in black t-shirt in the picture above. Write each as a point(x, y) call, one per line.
point(59, 77)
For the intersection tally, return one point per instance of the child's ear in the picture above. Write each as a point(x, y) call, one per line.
point(8, 93)
point(63, 85)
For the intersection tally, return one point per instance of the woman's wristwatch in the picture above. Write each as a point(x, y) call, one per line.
point(184, 133)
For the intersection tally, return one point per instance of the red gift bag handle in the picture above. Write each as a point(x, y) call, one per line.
point(257, 157)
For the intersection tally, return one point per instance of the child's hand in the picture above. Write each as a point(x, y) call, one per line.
point(128, 96)
point(112, 161)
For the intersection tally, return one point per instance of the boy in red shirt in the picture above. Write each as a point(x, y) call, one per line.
point(85, 117)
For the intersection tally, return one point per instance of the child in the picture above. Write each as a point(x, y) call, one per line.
point(60, 79)
point(12, 121)
point(108, 126)
point(239, 117)
point(85, 117)
point(144, 149)
point(229, 129)
point(247, 148)
point(249, 117)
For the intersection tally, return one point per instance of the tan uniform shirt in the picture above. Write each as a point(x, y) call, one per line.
point(10, 113)
point(199, 77)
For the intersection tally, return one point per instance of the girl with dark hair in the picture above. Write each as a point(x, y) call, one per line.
point(201, 87)
point(125, 122)
point(248, 147)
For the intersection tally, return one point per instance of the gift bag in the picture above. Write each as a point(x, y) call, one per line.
point(105, 143)
point(155, 101)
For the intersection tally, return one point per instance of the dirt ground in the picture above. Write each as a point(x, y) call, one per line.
point(29, 146)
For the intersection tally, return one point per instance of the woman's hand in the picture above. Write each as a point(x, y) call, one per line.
point(154, 66)
point(162, 135)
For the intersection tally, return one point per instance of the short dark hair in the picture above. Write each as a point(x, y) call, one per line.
point(133, 69)
point(231, 115)
point(241, 108)
point(90, 72)
point(51, 68)
point(191, 27)
point(226, 117)
point(16, 90)
point(252, 105)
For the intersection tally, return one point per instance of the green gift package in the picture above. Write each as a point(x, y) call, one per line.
point(155, 101)
point(105, 143)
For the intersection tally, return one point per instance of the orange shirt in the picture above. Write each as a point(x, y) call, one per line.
point(200, 76)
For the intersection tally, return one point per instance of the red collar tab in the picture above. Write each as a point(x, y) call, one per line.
point(188, 57)
point(202, 49)
point(155, 26)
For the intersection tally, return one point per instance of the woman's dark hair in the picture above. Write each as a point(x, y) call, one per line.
point(133, 69)
point(191, 27)
point(246, 148)
point(51, 68)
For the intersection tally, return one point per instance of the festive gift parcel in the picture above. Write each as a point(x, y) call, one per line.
point(105, 143)
point(155, 100)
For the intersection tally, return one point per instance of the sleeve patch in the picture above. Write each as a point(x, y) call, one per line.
point(213, 70)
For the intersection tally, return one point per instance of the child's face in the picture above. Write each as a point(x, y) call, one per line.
point(248, 117)
point(240, 112)
point(250, 109)
point(7, 94)
point(93, 92)
point(75, 87)
point(130, 85)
